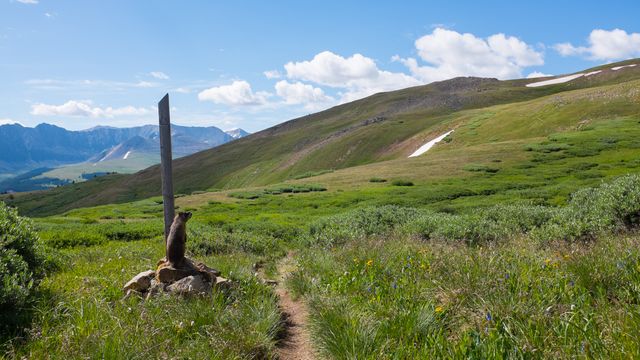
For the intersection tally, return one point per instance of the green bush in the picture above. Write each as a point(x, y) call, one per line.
point(204, 241)
point(401, 183)
point(481, 168)
point(71, 235)
point(23, 263)
point(359, 223)
point(489, 224)
point(247, 195)
point(66, 238)
point(591, 212)
point(377, 180)
point(311, 174)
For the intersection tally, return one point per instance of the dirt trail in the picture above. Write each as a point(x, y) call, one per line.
point(296, 342)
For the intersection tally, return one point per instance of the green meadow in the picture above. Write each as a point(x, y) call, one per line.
point(515, 237)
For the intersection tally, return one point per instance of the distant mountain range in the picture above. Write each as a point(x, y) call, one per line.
point(44, 147)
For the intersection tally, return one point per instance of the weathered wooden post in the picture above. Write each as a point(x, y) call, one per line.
point(165, 164)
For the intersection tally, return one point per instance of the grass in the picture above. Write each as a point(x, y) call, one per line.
point(83, 310)
point(393, 297)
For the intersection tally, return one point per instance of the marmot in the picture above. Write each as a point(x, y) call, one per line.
point(177, 239)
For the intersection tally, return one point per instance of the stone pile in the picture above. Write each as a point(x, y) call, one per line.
point(190, 278)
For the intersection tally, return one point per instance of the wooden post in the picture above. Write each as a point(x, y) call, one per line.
point(165, 164)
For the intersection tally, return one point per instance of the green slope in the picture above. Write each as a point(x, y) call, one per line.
point(374, 135)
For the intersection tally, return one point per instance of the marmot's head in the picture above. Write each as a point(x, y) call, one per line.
point(184, 216)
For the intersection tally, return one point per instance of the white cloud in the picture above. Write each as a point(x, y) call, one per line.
point(358, 75)
point(84, 108)
point(452, 54)
point(57, 84)
point(159, 75)
point(30, 2)
point(327, 68)
point(272, 74)
point(182, 90)
point(537, 74)
point(299, 93)
point(145, 84)
point(9, 122)
point(605, 45)
point(237, 93)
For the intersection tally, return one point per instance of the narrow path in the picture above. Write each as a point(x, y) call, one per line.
point(296, 342)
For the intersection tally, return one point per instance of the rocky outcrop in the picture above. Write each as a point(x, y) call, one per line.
point(192, 278)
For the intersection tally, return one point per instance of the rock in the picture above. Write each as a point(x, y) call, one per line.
point(222, 283)
point(140, 282)
point(209, 273)
point(190, 285)
point(156, 288)
point(130, 293)
point(169, 274)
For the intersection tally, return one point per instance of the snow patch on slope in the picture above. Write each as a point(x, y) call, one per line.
point(616, 68)
point(424, 148)
point(559, 80)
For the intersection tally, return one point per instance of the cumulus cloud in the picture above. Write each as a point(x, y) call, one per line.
point(299, 93)
point(329, 69)
point(159, 75)
point(9, 122)
point(607, 45)
point(272, 74)
point(237, 93)
point(84, 108)
point(450, 54)
point(357, 75)
point(537, 74)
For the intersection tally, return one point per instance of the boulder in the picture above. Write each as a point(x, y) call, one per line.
point(209, 274)
point(140, 282)
point(190, 285)
point(170, 274)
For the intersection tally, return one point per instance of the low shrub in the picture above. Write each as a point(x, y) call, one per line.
point(24, 261)
point(247, 195)
point(283, 189)
point(311, 174)
point(401, 183)
point(72, 235)
point(377, 180)
point(480, 168)
point(358, 223)
point(591, 212)
point(489, 224)
point(204, 241)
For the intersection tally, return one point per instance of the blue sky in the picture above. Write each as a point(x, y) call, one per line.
point(253, 64)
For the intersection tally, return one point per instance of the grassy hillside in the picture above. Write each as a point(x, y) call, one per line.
point(515, 237)
point(489, 114)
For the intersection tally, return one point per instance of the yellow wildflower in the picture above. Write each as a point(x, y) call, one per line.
point(439, 309)
point(547, 261)
point(369, 262)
